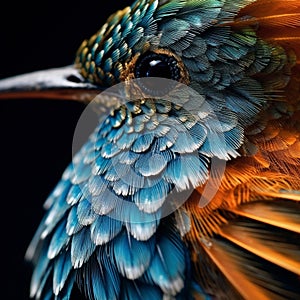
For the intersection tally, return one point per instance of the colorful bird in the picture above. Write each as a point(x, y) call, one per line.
point(190, 189)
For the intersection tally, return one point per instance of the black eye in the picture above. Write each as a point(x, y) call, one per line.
point(153, 64)
point(158, 65)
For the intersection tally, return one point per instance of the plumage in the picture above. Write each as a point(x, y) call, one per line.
point(191, 189)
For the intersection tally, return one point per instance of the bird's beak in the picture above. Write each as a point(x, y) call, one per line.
point(62, 83)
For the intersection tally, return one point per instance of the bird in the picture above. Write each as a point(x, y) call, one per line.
point(189, 188)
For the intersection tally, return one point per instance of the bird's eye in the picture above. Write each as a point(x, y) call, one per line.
point(153, 64)
point(158, 66)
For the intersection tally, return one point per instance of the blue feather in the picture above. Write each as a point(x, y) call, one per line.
point(126, 140)
point(198, 133)
point(128, 157)
point(65, 293)
point(139, 224)
point(61, 189)
point(196, 48)
point(185, 143)
point(59, 208)
point(132, 257)
point(188, 170)
point(44, 285)
point(85, 213)
point(48, 295)
point(82, 172)
point(99, 142)
point(143, 142)
point(168, 271)
point(61, 270)
point(222, 121)
point(73, 224)
point(105, 202)
point(97, 184)
point(135, 37)
point(118, 171)
point(82, 247)
point(74, 195)
point(109, 150)
point(59, 240)
point(104, 229)
point(115, 134)
point(101, 165)
point(90, 155)
point(111, 174)
point(40, 271)
point(152, 198)
point(150, 164)
point(121, 187)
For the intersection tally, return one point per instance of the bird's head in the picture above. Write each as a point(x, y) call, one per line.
point(215, 47)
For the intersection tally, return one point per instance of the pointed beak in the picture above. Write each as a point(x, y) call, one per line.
point(61, 83)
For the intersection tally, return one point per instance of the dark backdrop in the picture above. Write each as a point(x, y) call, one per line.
point(36, 135)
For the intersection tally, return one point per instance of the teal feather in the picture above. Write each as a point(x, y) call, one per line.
point(169, 9)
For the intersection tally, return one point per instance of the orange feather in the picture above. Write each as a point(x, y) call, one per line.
point(278, 22)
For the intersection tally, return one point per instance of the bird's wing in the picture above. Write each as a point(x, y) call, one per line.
point(246, 242)
point(256, 252)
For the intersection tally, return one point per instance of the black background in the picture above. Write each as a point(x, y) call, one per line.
point(36, 135)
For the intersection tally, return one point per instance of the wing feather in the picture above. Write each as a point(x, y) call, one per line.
point(277, 214)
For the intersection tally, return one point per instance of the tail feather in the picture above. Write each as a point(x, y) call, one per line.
point(265, 242)
point(257, 252)
point(278, 214)
point(222, 257)
point(251, 275)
